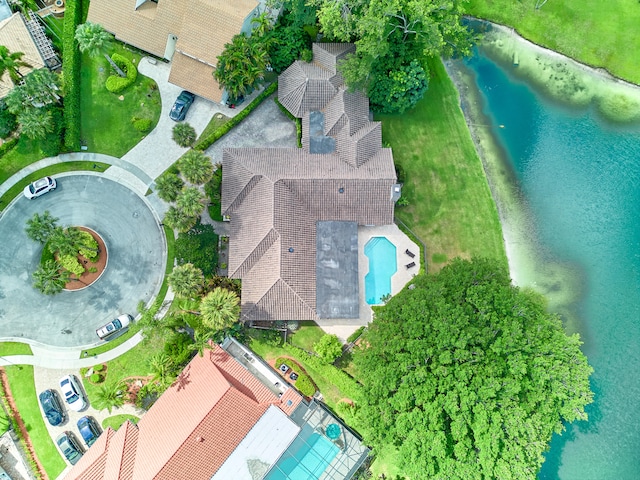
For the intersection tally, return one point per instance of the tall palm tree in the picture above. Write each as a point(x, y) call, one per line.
point(39, 227)
point(93, 39)
point(109, 395)
point(50, 278)
point(35, 123)
point(186, 280)
point(190, 201)
point(162, 368)
point(202, 341)
point(168, 186)
point(179, 220)
point(220, 309)
point(196, 167)
point(11, 63)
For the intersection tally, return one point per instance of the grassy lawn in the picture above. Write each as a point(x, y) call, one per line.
point(308, 334)
point(23, 154)
point(612, 41)
point(117, 420)
point(15, 348)
point(450, 206)
point(216, 122)
point(106, 120)
point(4, 421)
point(50, 170)
point(24, 393)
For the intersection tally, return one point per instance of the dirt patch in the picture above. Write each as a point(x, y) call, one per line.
point(134, 384)
point(87, 278)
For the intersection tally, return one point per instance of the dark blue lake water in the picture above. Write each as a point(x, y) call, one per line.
point(580, 176)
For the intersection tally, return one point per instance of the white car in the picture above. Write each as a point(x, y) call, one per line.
point(40, 187)
point(114, 326)
point(72, 393)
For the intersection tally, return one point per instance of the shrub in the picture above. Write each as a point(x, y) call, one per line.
point(93, 269)
point(7, 121)
point(8, 146)
point(71, 263)
point(98, 368)
point(96, 378)
point(116, 83)
point(287, 45)
point(184, 134)
point(71, 63)
point(88, 246)
point(178, 349)
point(328, 348)
point(198, 246)
point(142, 124)
point(304, 383)
point(296, 120)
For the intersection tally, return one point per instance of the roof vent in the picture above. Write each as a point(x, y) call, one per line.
point(199, 439)
point(289, 403)
point(290, 249)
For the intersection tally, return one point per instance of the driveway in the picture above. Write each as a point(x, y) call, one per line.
point(135, 269)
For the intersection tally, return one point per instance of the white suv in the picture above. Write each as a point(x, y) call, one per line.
point(40, 187)
point(72, 393)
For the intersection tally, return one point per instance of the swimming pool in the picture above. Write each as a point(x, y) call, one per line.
point(305, 460)
point(382, 265)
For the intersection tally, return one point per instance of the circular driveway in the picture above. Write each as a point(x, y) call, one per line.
point(134, 273)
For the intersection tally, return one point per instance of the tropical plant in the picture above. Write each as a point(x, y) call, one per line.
point(186, 280)
point(67, 241)
point(241, 66)
point(220, 309)
point(50, 278)
point(93, 39)
point(8, 121)
point(39, 227)
point(109, 395)
point(202, 341)
point(161, 367)
point(184, 134)
point(196, 167)
point(169, 186)
point(190, 201)
point(198, 246)
point(71, 264)
point(11, 63)
point(177, 219)
point(41, 87)
point(328, 348)
point(35, 123)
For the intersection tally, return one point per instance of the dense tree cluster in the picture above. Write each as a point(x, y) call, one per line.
point(469, 376)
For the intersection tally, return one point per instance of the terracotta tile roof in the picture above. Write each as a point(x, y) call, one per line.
point(15, 36)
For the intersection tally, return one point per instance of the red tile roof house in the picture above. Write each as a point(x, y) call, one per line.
point(190, 33)
point(294, 212)
point(228, 416)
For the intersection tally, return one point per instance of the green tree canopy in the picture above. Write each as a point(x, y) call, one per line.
point(11, 63)
point(169, 185)
point(196, 167)
point(184, 134)
point(469, 375)
point(186, 280)
point(220, 309)
point(39, 227)
point(329, 347)
point(50, 278)
point(242, 65)
point(190, 201)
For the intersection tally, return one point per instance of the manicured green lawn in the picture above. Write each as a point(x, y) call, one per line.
point(308, 334)
point(23, 154)
point(596, 32)
point(50, 170)
point(450, 206)
point(24, 393)
point(4, 421)
point(216, 122)
point(15, 348)
point(117, 420)
point(106, 120)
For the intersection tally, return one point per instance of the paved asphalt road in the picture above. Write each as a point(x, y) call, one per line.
point(136, 262)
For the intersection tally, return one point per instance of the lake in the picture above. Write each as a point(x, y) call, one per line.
point(577, 181)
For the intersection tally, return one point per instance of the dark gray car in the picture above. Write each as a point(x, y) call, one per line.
point(70, 447)
point(181, 106)
point(52, 407)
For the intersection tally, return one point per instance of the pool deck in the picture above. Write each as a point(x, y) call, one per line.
point(344, 327)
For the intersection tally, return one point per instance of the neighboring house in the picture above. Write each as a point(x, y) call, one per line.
point(228, 416)
point(294, 213)
point(190, 33)
point(16, 35)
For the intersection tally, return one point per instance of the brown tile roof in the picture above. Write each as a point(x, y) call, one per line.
point(192, 428)
point(202, 28)
point(15, 36)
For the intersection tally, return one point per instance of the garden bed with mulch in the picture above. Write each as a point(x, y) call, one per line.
point(89, 277)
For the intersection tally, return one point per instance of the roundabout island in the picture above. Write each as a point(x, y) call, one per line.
point(133, 272)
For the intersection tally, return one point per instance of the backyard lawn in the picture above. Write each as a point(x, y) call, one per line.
point(106, 119)
point(450, 205)
point(117, 420)
point(612, 42)
point(24, 393)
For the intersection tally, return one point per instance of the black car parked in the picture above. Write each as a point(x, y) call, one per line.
point(89, 430)
point(70, 447)
point(52, 407)
point(181, 106)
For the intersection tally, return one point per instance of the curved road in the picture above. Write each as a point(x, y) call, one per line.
point(136, 261)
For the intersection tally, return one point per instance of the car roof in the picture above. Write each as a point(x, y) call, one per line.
point(41, 182)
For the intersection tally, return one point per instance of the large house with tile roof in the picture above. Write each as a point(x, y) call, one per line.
point(294, 212)
point(190, 33)
point(227, 416)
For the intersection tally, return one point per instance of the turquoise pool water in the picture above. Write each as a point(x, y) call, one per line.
point(382, 265)
point(580, 176)
point(305, 461)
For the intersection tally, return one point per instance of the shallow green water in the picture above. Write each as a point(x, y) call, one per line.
point(579, 177)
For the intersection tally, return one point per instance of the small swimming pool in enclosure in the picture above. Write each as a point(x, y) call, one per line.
point(382, 265)
point(305, 460)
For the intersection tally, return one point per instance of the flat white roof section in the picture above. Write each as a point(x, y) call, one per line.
point(261, 448)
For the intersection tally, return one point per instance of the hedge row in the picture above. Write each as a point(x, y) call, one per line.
point(204, 143)
point(116, 83)
point(7, 146)
point(296, 120)
point(71, 64)
point(304, 384)
point(355, 335)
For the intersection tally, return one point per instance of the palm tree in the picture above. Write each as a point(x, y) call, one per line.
point(95, 40)
point(61, 242)
point(220, 309)
point(109, 395)
point(40, 86)
point(50, 278)
point(179, 220)
point(40, 227)
point(169, 186)
point(202, 341)
point(11, 63)
point(35, 123)
point(186, 280)
point(184, 134)
point(196, 167)
point(190, 201)
point(241, 65)
point(161, 366)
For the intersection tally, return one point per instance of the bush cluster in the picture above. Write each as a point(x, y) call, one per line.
point(8, 121)
point(304, 384)
point(142, 125)
point(71, 64)
point(7, 146)
point(116, 83)
point(206, 142)
point(198, 246)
